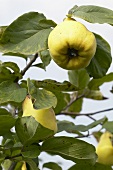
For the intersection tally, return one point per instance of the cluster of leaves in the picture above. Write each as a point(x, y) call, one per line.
point(26, 37)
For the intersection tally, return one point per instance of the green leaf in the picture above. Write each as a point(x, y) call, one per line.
point(27, 34)
point(6, 122)
point(84, 128)
point(52, 165)
point(15, 54)
point(12, 66)
point(2, 157)
point(31, 152)
point(43, 98)
point(8, 143)
point(31, 163)
point(2, 29)
point(30, 131)
point(6, 164)
point(108, 125)
point(67, 126)
point(76, 106)
point(94, 84)
point(54, 85)
point(97, 166)
point(9, 136)
point(71, 149)
point(10, 91)
point(6, 73)
point(45, 23)
point(97, 135)
point(79, 78)
point(72, 128)
point(61, 100)
point(45, 57)
point(93, 14)
point(18, 165)
point(4, 112)
point(100, 63)
point(94, 94)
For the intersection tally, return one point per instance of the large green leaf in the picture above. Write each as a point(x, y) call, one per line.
point(93, 14)
point(27, 34)
point(94, 84)
point(6, 121)
point(10, 91)
point(79, 78)
point(44, 98)
point(31, 152)
point(97, 166)
point(30, 131)
point(54, 85)
point(100, 63)
point(70, 148)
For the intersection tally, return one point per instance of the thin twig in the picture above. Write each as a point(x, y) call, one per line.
point(71, 102)
point(84, 114)
point(83, 136)
point(29, 64)
point(91, 118)
point(101, 111)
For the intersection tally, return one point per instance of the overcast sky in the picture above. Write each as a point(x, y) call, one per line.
point(57, 10)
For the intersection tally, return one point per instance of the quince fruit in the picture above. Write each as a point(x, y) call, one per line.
point(24, 166)
point(104, 149)
point(71, 45)
point(46, 117)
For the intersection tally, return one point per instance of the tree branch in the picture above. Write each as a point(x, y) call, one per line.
point(72, 101)
point(83, 136)
point(29, 64)
point(91, 118)
point(84, 114)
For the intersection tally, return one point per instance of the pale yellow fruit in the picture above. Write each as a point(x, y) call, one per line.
point(24, 166)
point(71, 45)
point(46, 117)
point(104, 149)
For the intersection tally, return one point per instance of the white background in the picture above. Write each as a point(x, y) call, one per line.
point(57, 10)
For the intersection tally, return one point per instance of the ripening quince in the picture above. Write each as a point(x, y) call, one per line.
point(71, 45)
point(104, 149)
point(24, 166)
point(46, 117)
